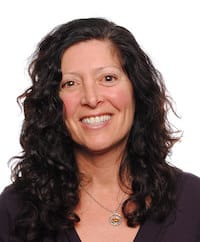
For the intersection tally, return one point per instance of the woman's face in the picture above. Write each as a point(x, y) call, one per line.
point(97, 96)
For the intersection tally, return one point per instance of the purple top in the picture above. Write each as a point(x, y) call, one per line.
point(182, 224)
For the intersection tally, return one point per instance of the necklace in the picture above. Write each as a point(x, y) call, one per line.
point(115, 219)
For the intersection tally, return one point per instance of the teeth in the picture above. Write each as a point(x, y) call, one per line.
point(97, 119)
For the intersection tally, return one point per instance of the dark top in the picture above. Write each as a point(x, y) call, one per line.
point(182, 224)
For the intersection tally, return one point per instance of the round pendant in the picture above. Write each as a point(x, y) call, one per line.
point(115, 219)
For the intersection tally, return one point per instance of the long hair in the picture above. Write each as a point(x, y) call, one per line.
point(46, 174)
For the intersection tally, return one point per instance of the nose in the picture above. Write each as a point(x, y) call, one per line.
point(91, 96)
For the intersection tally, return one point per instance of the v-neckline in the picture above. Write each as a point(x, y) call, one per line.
point(149, 231)
point(138, 237)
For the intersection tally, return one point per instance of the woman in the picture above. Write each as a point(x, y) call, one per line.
point(95, 140)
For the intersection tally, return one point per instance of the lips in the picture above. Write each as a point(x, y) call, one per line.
point(96, 120)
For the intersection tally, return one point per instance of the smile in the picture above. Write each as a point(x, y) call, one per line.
point(96, 120)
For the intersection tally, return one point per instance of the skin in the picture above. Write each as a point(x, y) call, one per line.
point(93, 86)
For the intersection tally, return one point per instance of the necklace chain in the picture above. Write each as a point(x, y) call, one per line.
point(115, 218)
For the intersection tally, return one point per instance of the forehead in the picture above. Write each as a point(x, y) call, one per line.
point(94, 51)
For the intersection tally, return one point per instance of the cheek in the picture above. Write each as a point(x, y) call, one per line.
point(69, 106)
point(123, 98)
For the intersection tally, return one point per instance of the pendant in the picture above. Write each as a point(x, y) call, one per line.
point(115, 219)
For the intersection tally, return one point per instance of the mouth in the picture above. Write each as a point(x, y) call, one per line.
point(96, 120)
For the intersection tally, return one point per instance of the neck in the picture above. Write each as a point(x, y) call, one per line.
point(99, 169)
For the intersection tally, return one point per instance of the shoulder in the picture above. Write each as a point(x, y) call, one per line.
point(9, 207)
point(188, 198)
point(9, 199)
point(188, 185)
point(183, 222)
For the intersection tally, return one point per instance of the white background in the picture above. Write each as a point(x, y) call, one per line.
point(167, 30)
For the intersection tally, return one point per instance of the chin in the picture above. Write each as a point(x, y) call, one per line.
point(95, 149)
point(101, 147)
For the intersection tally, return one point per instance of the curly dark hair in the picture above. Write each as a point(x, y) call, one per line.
point(46, 174)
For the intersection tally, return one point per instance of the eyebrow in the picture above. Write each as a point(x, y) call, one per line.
point(71, 74)
point(95, 70)
point(107, 67)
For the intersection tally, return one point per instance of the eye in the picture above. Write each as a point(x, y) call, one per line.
point(68, 84)
point(109, 78)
